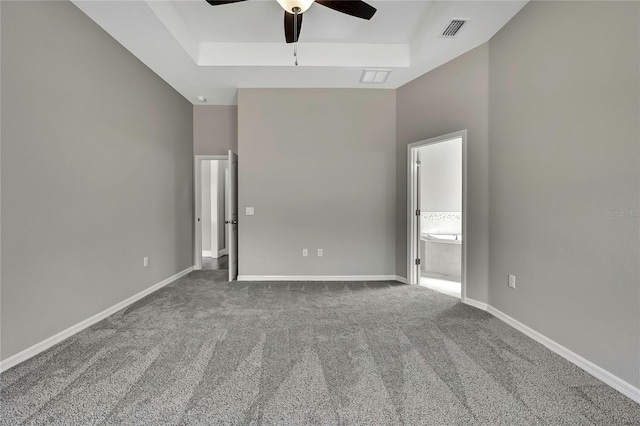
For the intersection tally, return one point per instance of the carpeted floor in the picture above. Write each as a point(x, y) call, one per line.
point(202, 351)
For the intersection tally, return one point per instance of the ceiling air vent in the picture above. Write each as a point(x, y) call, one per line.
point(453, 28)
point(374, 75)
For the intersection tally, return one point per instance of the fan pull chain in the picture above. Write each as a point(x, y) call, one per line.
point(295, 33)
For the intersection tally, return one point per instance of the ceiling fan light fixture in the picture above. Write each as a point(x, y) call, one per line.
point(290, 5)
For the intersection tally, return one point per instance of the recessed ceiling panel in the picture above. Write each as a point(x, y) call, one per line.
point(249, 21)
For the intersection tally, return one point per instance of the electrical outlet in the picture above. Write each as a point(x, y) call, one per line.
point(305, 252)
point(512, 281)
point(249, 211)
point(320, 253)
point(145, 262)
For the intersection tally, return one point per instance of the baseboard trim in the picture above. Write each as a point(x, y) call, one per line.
point(222, 252)
point(475, 303)
point(316, 278)
point(402, 280)
point(600, 373)
point(34, 350)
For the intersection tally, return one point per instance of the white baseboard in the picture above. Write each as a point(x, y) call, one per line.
point(206, 253)
point(47, 343)
point(316, 278)
point(600, 373)
point(222, 252)
point(400, 279)
point(475, 303)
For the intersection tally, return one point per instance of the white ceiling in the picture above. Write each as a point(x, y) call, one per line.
point(209, 51)
point(394, 22)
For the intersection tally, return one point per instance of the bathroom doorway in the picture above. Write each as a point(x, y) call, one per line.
point(437, 192)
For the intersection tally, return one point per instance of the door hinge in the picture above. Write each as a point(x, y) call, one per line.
point(418, 162)
point(417, 261)
point(417, 212)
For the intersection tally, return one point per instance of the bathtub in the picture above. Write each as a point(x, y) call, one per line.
point(443, 238)
point(441, 254)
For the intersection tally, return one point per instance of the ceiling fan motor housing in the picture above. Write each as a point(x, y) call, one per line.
point(294, 10)
point(290, 5)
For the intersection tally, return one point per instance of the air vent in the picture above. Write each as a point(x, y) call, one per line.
point(453, 28)
point(374, 76)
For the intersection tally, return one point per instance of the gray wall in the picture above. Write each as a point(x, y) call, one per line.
point(319, 168)
point(97, 172)
point(450, 98)
point(215, 129)
point(564, 128)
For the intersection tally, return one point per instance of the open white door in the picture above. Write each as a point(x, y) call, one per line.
point(232, 216)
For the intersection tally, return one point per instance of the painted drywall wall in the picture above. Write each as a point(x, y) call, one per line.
point(441, 177)
point(97, 172)
point(207, 214)
point(318, 166)
point(215, 129)
point(564, 157)
point(450, 98)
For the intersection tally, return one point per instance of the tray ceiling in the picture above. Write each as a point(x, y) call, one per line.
point(208, 51)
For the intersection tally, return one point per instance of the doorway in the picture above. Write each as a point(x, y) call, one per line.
point(437, 216)
point(211, 251)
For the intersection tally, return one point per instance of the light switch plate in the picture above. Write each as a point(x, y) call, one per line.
point(249, 211)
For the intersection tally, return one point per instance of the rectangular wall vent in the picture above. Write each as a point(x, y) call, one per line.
point(453, 28)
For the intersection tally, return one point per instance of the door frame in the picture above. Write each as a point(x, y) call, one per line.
point(412, 220)
point(233, 216)
point(197, 188)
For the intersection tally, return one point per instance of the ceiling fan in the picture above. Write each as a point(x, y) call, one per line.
point(293, 10)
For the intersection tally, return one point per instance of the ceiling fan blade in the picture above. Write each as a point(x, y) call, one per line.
point(221, 2)
point(356, 8)
point(289, 26)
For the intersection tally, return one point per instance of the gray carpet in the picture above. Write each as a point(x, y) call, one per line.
point(202, 351)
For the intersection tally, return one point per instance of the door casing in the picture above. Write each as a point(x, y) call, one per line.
point(197, 179)
point(413, 221)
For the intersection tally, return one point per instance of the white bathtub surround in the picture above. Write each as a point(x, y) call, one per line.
point(440, 223)
point(441, 255)
point(441, 250)
point(443, 238)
